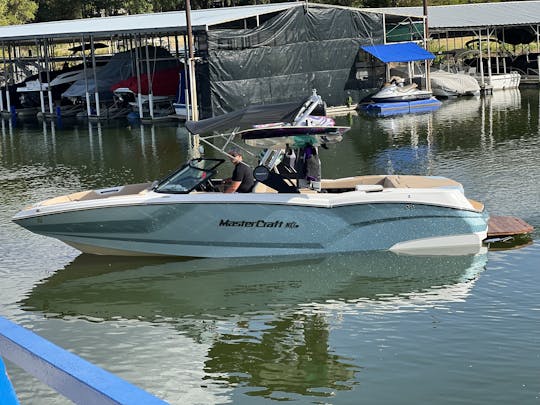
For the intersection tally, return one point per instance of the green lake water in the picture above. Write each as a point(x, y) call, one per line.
point(372, 328)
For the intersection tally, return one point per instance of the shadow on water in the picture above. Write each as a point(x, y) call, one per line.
point(267, 318)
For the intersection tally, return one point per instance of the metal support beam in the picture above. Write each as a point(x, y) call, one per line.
point(488, 34)
point(9, 78)
point(191, 63)
point(138, 45)
point(94, 67)
point(48, 75)
point(85, 69)
point(149, 76)
point(41, 97)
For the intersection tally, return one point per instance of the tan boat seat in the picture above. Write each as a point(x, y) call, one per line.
point(398, 181)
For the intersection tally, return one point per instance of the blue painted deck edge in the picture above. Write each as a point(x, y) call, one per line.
point(7, 393)
point(68, 374)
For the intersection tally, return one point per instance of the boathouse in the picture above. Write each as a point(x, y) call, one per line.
point(497, 36)
point(243, 55)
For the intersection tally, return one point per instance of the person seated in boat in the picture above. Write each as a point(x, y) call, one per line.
point(242, 180)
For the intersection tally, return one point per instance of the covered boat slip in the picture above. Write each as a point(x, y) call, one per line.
point(505, 37)
point(244, 55)
point(133, 35)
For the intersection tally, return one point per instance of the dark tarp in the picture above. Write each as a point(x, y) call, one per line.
point(517, 35)
point(288, 56)
point(403, 52)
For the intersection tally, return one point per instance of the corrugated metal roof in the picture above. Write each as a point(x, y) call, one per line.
point(174, 21)
point(462, 16)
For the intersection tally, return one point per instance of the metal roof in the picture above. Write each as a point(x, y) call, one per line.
point(403, 52)
point(174, 21)
point(463, 16)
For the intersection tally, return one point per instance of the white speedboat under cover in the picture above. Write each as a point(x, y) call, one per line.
point(186, 214)
point(445, 84)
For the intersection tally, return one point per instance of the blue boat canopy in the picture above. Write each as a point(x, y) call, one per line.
point(401, 52)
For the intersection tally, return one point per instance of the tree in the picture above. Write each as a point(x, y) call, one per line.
point(17, 11)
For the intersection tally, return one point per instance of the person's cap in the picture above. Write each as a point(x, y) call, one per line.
point(235, 152)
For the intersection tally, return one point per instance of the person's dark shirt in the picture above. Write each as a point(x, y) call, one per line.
point(244, 175)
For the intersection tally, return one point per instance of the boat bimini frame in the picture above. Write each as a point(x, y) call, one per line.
point(274, 128)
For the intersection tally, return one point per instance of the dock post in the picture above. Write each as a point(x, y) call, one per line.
point(41, 98)
point(8, 79)
point(96, 92)
point(149, 76)
point(85, 70)
point(192, 70)
point(490, 79)
point(480, 64)
point(538, 67)
point(48, 73)
point(5, 82)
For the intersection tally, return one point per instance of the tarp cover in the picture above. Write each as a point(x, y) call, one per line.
point(164, 83)
point(120, 67)
point(402, 52)
point(289, 55)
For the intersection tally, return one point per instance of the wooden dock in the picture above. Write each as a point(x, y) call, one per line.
point(507, 226)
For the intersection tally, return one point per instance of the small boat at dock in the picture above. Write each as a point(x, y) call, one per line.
point(396, 91)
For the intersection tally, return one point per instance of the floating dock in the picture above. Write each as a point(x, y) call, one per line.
point(507, 226)
point(401, 107)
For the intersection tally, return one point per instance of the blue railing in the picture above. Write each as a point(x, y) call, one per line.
point(71, 376)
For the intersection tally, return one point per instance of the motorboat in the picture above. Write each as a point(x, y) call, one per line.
point(504, 81)
point(135, 92)
point(120, 66)
point(395, 90)
point(447, 84)
point(31, 99)
point(287, 213)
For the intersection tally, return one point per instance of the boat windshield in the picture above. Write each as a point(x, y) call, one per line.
point(187, 178)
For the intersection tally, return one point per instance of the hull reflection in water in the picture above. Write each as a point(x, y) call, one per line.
point(269, 318)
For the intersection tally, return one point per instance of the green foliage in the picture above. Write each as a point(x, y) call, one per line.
point(17, 11)
point(52, 10)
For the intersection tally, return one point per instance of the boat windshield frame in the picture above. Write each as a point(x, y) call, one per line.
point(189, 176)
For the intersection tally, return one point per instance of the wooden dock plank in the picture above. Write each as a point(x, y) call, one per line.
point(507, 226)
